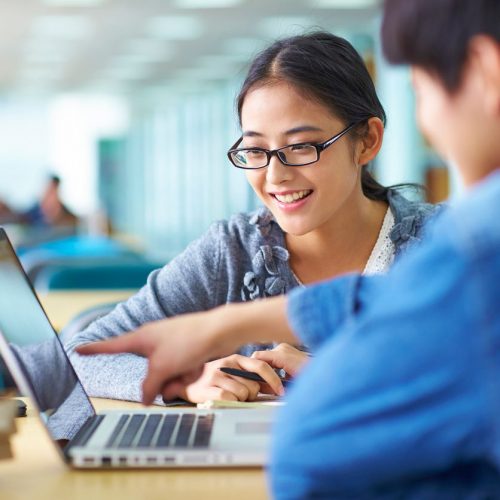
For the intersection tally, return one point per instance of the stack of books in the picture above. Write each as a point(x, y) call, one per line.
point(8, 411)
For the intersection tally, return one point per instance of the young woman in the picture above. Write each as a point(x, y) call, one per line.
point(311, 123)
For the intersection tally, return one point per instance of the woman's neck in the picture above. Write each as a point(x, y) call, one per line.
point(341, 245)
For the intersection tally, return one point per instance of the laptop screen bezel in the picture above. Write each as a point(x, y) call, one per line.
point(23, 383)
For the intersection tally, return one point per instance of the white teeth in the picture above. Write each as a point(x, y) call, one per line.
point(291, 197)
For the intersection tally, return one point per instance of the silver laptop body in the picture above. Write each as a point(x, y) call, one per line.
point(155, 437)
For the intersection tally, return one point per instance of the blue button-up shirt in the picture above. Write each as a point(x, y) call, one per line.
point(402, 399)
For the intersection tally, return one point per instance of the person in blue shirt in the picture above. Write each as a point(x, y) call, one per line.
point(402, 397)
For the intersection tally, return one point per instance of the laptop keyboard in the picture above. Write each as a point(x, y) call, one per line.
point(184, 430)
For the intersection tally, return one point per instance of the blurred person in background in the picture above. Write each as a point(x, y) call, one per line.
point(401, 399)
point(311, 124)
point(49, 211)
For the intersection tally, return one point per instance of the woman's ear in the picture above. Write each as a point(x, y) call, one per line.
point(369, 146)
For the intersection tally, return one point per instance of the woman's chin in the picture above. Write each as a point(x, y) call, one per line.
point(295, 229)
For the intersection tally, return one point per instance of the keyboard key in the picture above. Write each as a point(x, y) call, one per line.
point(117, 429)
point(87, 430)
point(131, 431)
point(203, 431)
point(167, 429)
point(149, 430)
point(185, 427)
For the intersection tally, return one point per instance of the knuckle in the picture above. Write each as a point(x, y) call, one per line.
point(228, 396)
point(243, 393)
point(254, 390)
point(210, 378)
point(262, 365)
point(155, 363)
point(219, 394)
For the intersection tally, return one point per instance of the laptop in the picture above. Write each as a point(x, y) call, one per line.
point(153, 437)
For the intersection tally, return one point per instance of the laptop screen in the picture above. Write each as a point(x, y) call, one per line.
point(37, 353)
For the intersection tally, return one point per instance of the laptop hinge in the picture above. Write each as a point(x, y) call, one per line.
point(84, 434)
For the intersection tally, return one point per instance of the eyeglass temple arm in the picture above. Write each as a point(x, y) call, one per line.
point(236, 144)
point(335, 138)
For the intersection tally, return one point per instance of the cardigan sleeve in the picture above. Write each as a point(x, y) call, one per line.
point(189, 283)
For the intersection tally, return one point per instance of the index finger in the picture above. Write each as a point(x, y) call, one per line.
point(265, 371)
point(129, 342)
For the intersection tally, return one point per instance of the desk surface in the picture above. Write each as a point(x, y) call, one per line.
point(61, 306)
point(37, 472)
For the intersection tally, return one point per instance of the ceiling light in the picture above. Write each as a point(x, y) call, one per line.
point(150, 50)
point(222, 60)
point(244, 46)
point(285, 26)
point(44, 45)
point(147, 45)
point(65, 27)
point(175, 28)
point(136, 60)
point(138, 72)
point(204, 73)
point(34, 90)
point(106, 87)
point(206, 4)
point(344, 4)
point(174, 87)
point(73, 3)
point(40, 73)
point(44, 52)
point(45, 57)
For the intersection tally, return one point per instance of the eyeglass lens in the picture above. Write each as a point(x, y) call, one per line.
point(291, 155)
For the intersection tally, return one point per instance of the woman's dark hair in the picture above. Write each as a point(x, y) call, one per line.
point(435, 34)
point(328, 69)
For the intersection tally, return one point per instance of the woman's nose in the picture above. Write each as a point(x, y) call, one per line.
point(277, 172)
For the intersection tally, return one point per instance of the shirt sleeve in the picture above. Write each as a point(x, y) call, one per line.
point(405, 387)
point(187, 284)
point(314, 313)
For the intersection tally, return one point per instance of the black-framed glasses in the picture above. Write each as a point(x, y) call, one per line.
point(294, 155)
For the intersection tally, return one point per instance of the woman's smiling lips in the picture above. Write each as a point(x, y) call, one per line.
point(291, 200)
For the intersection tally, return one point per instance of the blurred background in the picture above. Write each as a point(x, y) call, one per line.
point(115, 116)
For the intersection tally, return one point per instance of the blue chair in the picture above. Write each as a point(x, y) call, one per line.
point(78, 246)
point(84, 319)
point(71, 249)
point(94, 274)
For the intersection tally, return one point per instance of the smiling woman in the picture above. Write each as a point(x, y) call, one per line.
point(311, 124)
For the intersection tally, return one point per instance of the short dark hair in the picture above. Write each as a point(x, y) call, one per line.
point(328, 69)
point(54, 179)
point(435, 34)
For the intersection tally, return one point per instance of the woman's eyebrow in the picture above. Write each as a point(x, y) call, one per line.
point(303, 128)
point(294, 130)
point(251, 133)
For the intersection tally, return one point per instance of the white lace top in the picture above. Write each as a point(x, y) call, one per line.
point(383, 252)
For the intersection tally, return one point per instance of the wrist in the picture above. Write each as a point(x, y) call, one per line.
point(221, 339)
point(234, 325)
